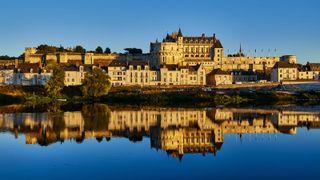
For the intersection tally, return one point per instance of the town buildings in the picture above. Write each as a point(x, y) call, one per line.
point(218, 77)
point(177, 60)
point(284, 71)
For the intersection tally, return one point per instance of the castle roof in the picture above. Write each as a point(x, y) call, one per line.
point(218, 44)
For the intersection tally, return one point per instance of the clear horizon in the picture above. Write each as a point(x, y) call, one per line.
point(290, 26)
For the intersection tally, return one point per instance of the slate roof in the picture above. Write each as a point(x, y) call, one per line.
point(27, 67)
point(219, 72)
point(282, 64)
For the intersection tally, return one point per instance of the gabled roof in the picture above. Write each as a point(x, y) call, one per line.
point(10, 67)
point(117, 63)
point(27, 67)
point(71, 67)
point(218, 72)
point(282, 64)
point(137, 63)
point(313, 66)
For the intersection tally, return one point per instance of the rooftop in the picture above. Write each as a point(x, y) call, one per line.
point(218, 72)
point(282, 64)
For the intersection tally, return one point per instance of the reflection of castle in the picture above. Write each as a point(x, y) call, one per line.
point(178, 131)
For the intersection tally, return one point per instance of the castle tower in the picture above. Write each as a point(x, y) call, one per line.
point(218, 52)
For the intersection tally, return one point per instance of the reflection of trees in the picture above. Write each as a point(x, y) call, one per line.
point(52, 134)
point(54, 107)
point(96, 117)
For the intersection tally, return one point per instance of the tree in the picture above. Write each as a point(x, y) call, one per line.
point(107, 51)
point(80, 49)
point(56, 82)
point(99, 50)
point(96, 83)
point(44, 49)
point(133, 51)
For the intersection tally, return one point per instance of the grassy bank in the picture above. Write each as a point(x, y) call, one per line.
point(37, 96)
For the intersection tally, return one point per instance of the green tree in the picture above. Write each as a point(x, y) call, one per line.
point(80, 49)
point(99, 50)
point(44, 49)
point(133, 51)
point(96, 83)
point(107, 51)
point(56, 82)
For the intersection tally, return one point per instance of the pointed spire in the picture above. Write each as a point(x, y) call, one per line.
point(240, 51)
point(179, 33)
point(168, 36)
point(214, 37)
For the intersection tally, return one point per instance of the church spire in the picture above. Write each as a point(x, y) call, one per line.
point(180, 33)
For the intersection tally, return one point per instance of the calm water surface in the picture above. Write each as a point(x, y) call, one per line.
point(103, 142)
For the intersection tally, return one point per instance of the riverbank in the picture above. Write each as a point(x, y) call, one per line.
point(173, 98)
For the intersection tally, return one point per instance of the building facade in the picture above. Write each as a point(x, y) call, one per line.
point(284, 71)
point(182, 50)
point(219, 77)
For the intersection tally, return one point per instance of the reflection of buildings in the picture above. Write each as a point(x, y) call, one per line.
point(178, 131)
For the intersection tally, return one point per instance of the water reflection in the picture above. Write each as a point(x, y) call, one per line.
point(177, 131)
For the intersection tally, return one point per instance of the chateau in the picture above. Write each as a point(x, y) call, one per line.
point(207, 50)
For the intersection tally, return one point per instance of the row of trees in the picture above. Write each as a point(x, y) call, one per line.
point(96, 83)
point(100, 50)
point(45, 49)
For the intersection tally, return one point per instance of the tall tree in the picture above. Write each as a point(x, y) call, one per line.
point(56, 82)
point(99, 50)
point(80, 49)
point(96, 83)
point(107, 51)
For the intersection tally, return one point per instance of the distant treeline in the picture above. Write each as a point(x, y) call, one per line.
point(5, 57)
point(45, 49)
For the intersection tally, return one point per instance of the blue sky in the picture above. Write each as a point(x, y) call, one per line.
point(290, 26)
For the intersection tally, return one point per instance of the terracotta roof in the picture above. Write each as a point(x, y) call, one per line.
point(218, 72)
point(282, 64)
